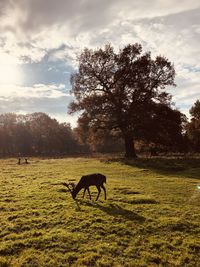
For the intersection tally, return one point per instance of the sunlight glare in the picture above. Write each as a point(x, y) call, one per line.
point(10, 74)
point(10, 69)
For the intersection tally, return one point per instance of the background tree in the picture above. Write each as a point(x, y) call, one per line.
point(122, 91)
point(164, 129)
point(102, 141)
point(8, 124)
point(195, 110)
point(193, 127)
point(35, 134)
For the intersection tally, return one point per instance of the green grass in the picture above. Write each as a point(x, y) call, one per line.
point(151, 217)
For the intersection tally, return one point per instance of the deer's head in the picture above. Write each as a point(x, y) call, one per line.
point(71, 188)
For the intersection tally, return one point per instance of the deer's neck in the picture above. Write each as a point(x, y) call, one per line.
point(77, 189)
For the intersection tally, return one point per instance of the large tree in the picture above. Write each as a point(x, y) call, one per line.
point(122, 91)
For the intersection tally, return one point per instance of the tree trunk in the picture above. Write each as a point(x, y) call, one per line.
point(129, 147)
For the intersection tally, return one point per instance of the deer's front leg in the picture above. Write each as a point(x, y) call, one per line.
point(84, 192)
point(89, 193)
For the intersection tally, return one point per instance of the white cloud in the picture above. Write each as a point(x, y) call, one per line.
point(31, 30)
point(36, 91)
point(32, 27)
point(50, 99)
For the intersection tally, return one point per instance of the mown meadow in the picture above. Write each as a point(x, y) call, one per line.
point(151, 216)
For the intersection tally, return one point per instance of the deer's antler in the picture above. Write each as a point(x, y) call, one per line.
point(70, 186)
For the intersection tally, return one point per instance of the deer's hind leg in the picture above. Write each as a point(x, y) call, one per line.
point(104, 189)
point(99, 191)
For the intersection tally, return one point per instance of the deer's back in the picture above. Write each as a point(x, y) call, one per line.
point(93, 179)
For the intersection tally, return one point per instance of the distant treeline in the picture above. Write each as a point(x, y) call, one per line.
point(34, 134)
point(37, 134)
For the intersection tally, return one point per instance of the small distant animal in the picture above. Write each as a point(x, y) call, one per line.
point(25, 161)
point(96, 179)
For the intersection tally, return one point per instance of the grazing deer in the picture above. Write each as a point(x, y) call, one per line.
point(85, 182)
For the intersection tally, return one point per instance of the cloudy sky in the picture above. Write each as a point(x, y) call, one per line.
point(40, 39)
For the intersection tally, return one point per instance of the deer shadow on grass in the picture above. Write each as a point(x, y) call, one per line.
point(115, 210)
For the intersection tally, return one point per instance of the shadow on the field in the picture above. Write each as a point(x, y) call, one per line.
point(115, 210)
point(183, 167)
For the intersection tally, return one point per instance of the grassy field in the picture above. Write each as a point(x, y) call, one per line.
point(151, 217)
